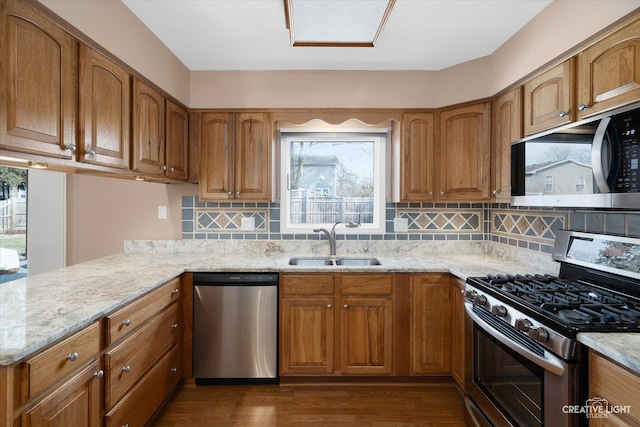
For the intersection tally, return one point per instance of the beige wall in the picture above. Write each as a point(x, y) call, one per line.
point(113, 26)
point(104, 212)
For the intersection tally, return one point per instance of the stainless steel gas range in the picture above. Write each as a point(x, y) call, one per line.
point(527, 367)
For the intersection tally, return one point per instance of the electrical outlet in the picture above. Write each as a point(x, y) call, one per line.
point(248, 223)
point(400, 224)
point(162, 212)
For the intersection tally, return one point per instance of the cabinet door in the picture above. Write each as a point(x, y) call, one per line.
point(366, 336)
point(457, 332)
point(465, 139)
point(75, 403)
point(104, 111)
point(549, 99)
point(148, 130)
point(253, 157)
point(177, 148)
point(430, 324)
point(307, 336)
point(417, 157)
point(39, 71)
point(609, 72)
point(216, 154)
point(506, 128)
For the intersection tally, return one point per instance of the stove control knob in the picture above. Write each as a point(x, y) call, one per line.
point(522, 325)
point(499, 310)
point(479, 300)
point(539, 334)
point(470, 295)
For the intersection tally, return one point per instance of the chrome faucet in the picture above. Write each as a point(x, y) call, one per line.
point(331, 235)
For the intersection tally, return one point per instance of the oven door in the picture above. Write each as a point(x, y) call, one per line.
point(513, 383)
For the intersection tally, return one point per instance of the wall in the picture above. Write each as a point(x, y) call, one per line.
point(104, 212)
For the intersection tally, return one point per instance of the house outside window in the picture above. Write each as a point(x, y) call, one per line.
point(548, 183)
point(332, 177)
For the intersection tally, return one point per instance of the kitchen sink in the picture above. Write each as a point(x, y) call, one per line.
point(333, 261)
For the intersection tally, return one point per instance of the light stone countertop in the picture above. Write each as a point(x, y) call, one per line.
point(39, 310)
point(624, 348)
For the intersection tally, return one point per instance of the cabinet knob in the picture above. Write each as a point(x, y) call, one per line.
point(125, 425)
point(99, 374)
point(582, 107)
point(230, 193)
point(126, 322)
point(346, 306)
point(442, 193)
point(126, 369)
point(163, 167)
point(563, 114)
point(174, 326)
point(70, 147)
point(174, 369)
point(171, 169)
point(496, 192)
point(176, 291)
point(91, 152)
point(329, 306)
point(431, 193)
point(237, 193)
point(72, 357)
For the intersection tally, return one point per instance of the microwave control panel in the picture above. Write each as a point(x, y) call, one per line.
point(628, 130)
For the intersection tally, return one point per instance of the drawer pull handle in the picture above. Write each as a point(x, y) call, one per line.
point(175, 291)
point(174, 326)
point(99, 374)
point(126, 369)
point(72, 357)
point(126, 322)
point(174, 370)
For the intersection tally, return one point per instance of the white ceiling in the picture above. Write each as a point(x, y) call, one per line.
point(251, 34)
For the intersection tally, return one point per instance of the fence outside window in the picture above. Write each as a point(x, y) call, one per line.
point(13, 216)
point(313, 207)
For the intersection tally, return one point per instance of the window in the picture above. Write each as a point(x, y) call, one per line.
point(579, 184)
point(332, 177)
point(548, 183)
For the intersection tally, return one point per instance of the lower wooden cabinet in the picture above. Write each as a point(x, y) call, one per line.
point(338, 324)
point(457, 332)
point(430, 324)
point(616, 390)
point(76, 402)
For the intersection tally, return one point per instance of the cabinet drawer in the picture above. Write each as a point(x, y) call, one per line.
point(619, 386)
point(132, 316)
point(50, 366)
point(367, 284)
point(143, 400)
point(128, 362)
point(307, 284)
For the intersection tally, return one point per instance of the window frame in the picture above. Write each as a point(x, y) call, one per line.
point(380, 138)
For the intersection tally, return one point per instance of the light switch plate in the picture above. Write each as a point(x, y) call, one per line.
point(162, 212)
point(248, 223)
point(400, 224)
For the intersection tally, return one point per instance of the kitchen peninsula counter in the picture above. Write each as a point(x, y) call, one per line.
point(39, 310)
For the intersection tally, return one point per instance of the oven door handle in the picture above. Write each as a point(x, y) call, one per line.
point(549, 363)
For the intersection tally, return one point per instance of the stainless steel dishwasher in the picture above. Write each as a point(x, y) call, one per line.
point(235, 339)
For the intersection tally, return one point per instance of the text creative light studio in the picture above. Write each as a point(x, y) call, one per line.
point(596, 407)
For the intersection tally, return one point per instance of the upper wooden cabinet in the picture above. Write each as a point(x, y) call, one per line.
point(104, 111)
point(37, 84)
point(463, 153)
point(148, 130)
point(417, 149)
point(235, 156)
point(609, 72)
point(177, 142)
point(160, 134)
point(549, 99)
point(506, 128)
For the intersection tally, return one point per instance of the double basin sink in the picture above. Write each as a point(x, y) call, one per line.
point(333, 261)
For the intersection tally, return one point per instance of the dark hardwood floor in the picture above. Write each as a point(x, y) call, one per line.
point(314, 405)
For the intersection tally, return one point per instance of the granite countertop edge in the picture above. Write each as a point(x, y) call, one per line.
point(42, 309)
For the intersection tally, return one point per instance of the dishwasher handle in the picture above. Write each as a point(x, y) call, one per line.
point(235, 279)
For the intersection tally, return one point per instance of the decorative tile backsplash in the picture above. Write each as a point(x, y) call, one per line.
point(527, 228)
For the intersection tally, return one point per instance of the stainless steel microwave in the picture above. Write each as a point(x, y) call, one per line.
point(591, 163)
